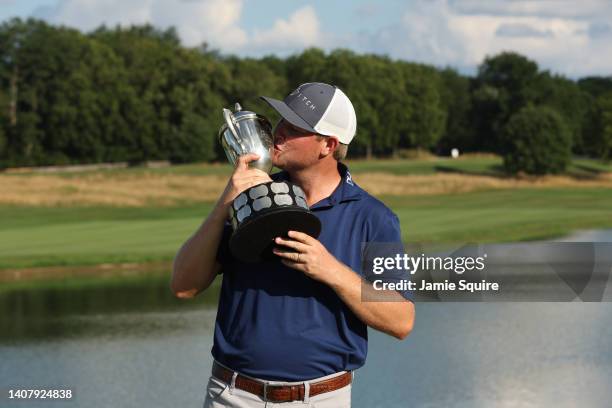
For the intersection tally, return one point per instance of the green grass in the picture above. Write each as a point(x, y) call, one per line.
point(473, 165)
point(502, 215)
point(89, 236)
point(484, 165)
point(489, 166)
point(84, 236)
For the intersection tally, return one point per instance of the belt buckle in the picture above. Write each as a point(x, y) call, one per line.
point(294, 389)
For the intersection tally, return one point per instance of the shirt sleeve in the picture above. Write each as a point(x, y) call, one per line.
point(384, 253)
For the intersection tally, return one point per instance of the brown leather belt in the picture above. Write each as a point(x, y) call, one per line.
point(280, 393)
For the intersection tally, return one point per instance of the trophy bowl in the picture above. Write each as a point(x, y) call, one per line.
point(267, 210)
point(247, 132)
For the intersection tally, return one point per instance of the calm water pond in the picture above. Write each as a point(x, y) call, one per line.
point(138, 352)
point(136, 346)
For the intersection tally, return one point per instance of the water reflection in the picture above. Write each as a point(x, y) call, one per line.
point(494, 355)
point(40, 313)
point(460, 355)
point(132, 344)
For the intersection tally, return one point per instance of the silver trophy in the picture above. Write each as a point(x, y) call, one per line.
point(247, 132)
point(267, 210)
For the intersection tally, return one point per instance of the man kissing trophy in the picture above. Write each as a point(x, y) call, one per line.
point(267, 210)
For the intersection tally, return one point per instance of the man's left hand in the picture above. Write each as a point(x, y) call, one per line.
point(308, 255)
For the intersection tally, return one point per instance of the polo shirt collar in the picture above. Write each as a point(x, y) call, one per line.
point(347, 190)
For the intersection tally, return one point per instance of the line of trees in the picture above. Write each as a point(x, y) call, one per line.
point(135, 94)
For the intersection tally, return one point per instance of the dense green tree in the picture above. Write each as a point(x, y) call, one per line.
point(603, 144)
point(456, 101)
point(189, 144)
point(195, 103)
point(537, 141)
point(382, 103)
point(504, 85)
point(251, 78)
point(23, 138)
point(425, 124)
point(2, 148)
point(594, 137)
point(169, 87)
point(596, 86)
point(565, 97)
point(369, 80)
point(135, 94)
point(309, 66)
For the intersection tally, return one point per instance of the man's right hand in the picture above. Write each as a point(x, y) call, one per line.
point(195, 265)
point(243, 178)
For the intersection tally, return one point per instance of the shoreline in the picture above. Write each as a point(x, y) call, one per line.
point(105, 270)
point(48, 274)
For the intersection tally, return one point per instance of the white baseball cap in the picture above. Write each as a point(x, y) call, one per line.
point(319, 108)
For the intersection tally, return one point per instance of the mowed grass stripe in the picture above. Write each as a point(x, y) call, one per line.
point(502, 216)
point(494, 225)
point(68, 237)
point(12, 217)
point(471, 163)
point(140, 236)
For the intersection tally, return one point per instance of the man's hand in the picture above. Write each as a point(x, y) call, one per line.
point(243, 178)
point(308, 255)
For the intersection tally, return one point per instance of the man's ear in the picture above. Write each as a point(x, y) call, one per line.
point(331, 143)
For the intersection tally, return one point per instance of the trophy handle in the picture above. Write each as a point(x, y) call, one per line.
point(231, 125)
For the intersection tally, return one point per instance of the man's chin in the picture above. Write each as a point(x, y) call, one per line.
point(278, 164)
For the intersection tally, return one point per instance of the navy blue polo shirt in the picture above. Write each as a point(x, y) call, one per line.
point(275, 323)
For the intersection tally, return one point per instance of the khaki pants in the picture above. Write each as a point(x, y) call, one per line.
point(222, 395)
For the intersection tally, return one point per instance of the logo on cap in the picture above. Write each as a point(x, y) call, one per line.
point(303, 98)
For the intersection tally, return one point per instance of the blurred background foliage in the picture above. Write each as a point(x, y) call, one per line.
point(135, 94)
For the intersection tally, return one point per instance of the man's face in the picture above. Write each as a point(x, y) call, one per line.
point(294, 148)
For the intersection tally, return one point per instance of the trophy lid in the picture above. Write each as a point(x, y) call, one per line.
point(232, 118)
point(240, 114)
